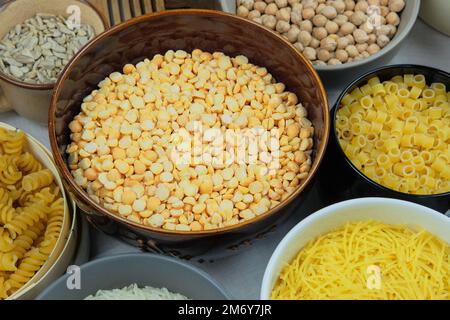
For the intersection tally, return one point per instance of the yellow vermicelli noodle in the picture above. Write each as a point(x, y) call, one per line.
point(343, 264)
point(397, 133)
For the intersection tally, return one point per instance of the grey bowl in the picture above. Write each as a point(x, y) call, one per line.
point(141, 268)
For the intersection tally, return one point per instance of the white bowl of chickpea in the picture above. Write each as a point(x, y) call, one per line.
point(336, 35)
point(134, 179)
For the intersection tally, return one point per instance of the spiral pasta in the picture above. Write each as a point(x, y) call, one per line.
point(3, 288)
point(4, 196)
point(10, 175)
point(6, 213)
point(25, 218)
point(6, 242)
point(30, 264)
point(28, 163)
point(31, 213)
point(23, 243)
point(37, 180)
point(8, 261)
point(11, 142)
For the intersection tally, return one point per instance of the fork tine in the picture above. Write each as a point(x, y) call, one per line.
point(146, 6)
point(126, 10)
point(135, 8)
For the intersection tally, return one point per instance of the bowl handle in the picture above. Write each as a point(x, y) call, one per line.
point(4, 104)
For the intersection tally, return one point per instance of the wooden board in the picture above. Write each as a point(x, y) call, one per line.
point(118, 11)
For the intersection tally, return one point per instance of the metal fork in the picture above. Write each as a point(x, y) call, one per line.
point(121, 10)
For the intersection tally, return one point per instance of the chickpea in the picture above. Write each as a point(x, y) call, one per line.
point(362, 5)
point(299, 46)
point(257, 20)
point(334, 61)
point(314, 43)
point(342, 55)
point(329, 12)
point(340, 19)
point(382, 41)
point(242, 11)
point(310, 53)
point(350, 39)
point(329, 44)
point(284, 14)
point(281, 3)
point(360, 36)
point(319, 33)
point(304, 38)
point(383, 30)
point(393, 30)
point(271, 9)
point(347, 28)
point(308, 13)
point(384, 11)
point(260, 6)
point(296, 17)
point(362, 47)
point(373, 48)
point(269, 21)
point(282, 26)
point(306, 25)
point(247, 4)
point(254, 14)
point(323, 55)
point(358, 18)
point(349, 5)
point(396, 5)
point(352, 51)
point(319, 20)
point(310, 4)
point(293, 33)
point(393, 19)
point(342, 43)
point(339, 5)
point(332, 27)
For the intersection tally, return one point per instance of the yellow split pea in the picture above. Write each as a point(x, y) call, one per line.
point(123, 138)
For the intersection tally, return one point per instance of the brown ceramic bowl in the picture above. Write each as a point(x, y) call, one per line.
point(146, 36)
point(31, 100)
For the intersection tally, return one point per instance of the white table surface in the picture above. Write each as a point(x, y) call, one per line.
point(241, 274)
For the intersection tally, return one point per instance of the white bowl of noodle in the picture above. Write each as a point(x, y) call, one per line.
point(286, 261)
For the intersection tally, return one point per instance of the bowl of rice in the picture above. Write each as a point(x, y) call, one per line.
point(363, 249)
point(135, 277)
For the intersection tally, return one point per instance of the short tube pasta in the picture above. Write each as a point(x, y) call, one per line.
point(400, 133)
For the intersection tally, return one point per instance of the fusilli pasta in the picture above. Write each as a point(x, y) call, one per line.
point(37, 180)
point(31, 213)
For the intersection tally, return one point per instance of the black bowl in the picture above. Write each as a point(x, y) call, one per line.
point(340, 180)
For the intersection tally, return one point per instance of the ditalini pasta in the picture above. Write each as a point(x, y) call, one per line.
point(368, 260)
point(31, 213)
point(397, 133)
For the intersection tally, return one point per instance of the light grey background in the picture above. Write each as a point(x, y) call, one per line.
point(241, 274)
